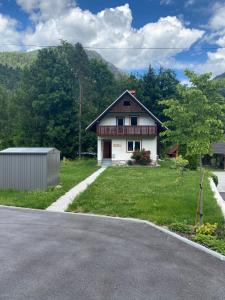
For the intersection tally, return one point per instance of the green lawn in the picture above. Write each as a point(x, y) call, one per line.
point(147, 193)
point(71, 173)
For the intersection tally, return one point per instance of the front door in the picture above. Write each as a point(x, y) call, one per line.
point(107, 149)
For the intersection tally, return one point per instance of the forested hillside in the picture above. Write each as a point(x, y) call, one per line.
point(44, 109)
point(19, 60)
point(10, 77)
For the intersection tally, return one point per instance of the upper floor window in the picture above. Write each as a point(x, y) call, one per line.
point(133, 120)
point(126, 103)
point(120, 121)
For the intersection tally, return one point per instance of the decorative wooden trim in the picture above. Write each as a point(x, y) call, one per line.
point(127, 130)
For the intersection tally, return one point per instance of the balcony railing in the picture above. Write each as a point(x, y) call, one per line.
point(126, 130)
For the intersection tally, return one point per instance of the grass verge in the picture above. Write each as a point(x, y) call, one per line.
point(152, 194)
point(156, 195)
point(71, 173)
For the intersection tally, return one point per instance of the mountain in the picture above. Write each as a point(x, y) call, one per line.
point(18, 59)
point(21, 59)
point(221, 76)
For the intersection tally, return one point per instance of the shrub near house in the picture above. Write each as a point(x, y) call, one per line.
point(141, 157)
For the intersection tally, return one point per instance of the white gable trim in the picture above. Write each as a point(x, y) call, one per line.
point(142, 105)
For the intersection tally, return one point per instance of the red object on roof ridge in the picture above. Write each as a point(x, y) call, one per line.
point(132, 92)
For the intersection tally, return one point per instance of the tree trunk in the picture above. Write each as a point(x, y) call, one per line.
point(201, 191)
point(80, 117)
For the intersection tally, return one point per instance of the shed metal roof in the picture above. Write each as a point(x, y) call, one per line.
point(30, 150)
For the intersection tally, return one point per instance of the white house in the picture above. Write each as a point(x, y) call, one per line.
point(126, 125)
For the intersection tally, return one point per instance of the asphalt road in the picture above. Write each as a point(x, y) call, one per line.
point(45, 255)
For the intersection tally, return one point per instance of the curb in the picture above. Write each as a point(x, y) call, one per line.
point(173, 234)
point(217, 196)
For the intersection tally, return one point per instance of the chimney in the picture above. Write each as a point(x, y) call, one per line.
point(132, 92)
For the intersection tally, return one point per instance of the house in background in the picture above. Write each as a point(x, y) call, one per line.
point(126, 125)
point(219, 154)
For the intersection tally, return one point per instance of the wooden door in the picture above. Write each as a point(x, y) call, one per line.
point(107, 149)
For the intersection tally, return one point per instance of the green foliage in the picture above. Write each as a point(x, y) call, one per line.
point(141, 157)
point(42, 106)
point(167, 163)
point(45, 104)
point(181, 163)
point(211, 241)
point(10, 77)
point(130, 162)
point(207, 229)
point(193, 161)
point(158, 86)
point(220, 231)
point(18, 59)
point(6, 118)
point(181, 227)
point(196, 115)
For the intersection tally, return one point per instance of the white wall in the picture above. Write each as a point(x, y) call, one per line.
point(119, 147)
point(99, 149)
point(108, 120)
point(111, 119)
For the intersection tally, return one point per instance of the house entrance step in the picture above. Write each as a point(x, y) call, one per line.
point(106, 162)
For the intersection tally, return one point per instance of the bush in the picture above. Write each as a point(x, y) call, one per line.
point(141, 157)
point(181, 227)
point(193, 162)
point(220, 231)
point(211, 242)
point(130, 162)
point(215, 179)
point(181, 163)
point(207, 229)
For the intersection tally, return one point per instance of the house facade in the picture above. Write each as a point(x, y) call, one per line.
point(126, 125)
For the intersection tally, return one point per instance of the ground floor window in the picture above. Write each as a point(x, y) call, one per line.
point(133, 145)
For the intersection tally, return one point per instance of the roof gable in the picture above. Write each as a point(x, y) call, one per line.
point(118, 106)
point(127, 104)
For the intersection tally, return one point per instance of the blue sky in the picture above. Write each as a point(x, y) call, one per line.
point(195, 26)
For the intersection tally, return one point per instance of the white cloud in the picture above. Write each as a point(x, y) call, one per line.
point(166, 2)
point(10, 37)
point(217, 20)
point(113, 28)
point(45, 9)
point(189, 3)
point(215, 62)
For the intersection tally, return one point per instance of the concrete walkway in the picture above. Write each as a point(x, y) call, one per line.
point(64, 201)
point(221, 185)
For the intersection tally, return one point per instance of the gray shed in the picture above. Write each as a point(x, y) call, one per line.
point(29, 168)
